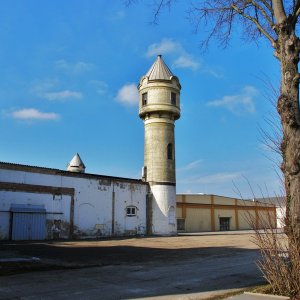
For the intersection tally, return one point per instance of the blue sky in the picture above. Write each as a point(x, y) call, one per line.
point(69, 71)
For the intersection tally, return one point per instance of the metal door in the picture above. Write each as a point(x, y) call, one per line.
point(131, 220)
point(224, 224)
point(28, 223)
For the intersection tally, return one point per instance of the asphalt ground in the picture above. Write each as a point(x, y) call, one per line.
point(190, 266)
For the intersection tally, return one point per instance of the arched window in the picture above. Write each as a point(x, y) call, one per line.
point(144, 99)
point(173, 98)
point(170, 151)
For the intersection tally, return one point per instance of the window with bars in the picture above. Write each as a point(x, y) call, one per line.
point(131, 211)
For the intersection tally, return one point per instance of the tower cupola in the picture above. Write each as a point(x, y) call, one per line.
point(159, 91)
point(76, 164)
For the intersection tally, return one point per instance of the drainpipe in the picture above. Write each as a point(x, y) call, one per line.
point(113, 211)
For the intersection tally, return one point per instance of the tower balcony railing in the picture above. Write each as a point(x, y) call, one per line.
point(159, 108)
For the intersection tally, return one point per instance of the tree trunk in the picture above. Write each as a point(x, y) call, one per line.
point(287, 51)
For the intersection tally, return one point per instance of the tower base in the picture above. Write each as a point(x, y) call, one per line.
point(163, 210)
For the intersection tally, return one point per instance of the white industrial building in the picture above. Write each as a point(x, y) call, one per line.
point(39, 203)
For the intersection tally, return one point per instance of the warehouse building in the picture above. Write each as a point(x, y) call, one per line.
point(200, 212)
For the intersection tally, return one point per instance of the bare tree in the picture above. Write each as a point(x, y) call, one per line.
point(276, 21)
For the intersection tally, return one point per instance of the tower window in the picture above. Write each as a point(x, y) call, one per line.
point(144, 98)
point(170, 151)
point(131, 211)
point(173, 98)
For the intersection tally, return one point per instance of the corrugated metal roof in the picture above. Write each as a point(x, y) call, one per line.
point(159, 70)
point(52, 171)
point(76, 161)
point(27, 208)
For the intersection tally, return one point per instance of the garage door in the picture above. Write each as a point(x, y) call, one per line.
point(28, 222)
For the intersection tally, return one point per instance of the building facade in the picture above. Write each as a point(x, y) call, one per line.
point(42, 203)
point(200, 212)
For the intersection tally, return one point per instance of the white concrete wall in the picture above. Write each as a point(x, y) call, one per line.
point(58, 208)
point(164, 210)
point(93, 203)
point(130, 195)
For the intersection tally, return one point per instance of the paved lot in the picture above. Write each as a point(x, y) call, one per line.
point(185, 267)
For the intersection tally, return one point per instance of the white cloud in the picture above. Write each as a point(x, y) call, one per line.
point(185, 61)
point(73, 68)
point(101, 86)
point(238, 103)
point(219, 177)
point(128, 94)
point(181, 59)
point(213, 178)
point(119, 15)
point(33, 114)
point(62, 95)
point(41, 86)
point(43, 89)
point(190, 166)
point(213, 71)
point(163, 47)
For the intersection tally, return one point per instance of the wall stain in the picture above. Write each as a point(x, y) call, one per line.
point(106, 182)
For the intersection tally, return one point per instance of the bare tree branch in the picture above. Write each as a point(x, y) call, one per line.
point(279, 11)
point(296, 11)
point(258, 25)
point(268, 6)
point(263, 12)
point(157, 12)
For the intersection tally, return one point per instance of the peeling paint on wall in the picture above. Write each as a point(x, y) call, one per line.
point(57, 229)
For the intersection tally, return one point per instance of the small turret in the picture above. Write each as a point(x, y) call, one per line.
point(76, 164)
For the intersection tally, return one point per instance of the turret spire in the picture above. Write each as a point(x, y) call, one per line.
point(159, 70)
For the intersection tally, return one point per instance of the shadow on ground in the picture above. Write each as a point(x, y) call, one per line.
point(93, 254)
point(124, 272)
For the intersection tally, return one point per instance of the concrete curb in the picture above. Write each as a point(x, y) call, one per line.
point(267, 296)
point(257, 296)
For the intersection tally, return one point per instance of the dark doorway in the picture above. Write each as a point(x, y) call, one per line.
point(224, 224)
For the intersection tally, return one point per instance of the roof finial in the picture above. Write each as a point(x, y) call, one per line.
point(159, 55)
point(76, 164)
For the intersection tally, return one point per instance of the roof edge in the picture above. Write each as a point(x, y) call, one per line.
point(51, 171)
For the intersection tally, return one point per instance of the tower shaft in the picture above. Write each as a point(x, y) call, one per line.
point(159, 149)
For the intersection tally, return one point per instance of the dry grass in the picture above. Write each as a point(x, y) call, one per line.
point(280, 255)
